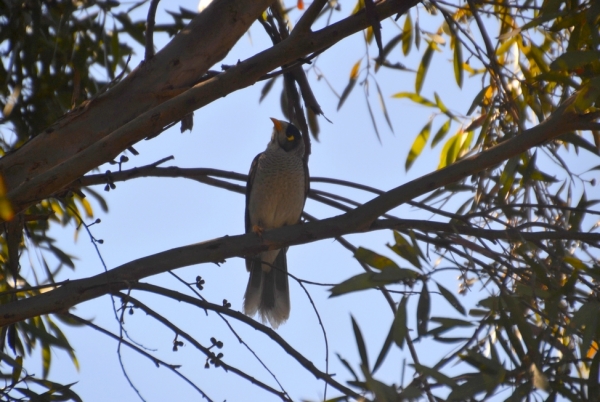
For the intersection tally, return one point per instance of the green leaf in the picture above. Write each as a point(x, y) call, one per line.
point(508, 177)
point(579, 142)
point(387, 49)
point(423, 309)
point(423, 67)
point(347, 365)
point(572, 60)
point(477, 100)
point(17, 368)
point(406, 250)
point(418, 145)
point(313, 123)
point(441, 133)
point(451, 299)
point(458, 63)
point(394, 275)
point(587, 96)
point(384, 349)
point(586, 320)
point(360, 343)
point(383, 107)
point(482, 363)
point(354, 284)
point(415, 98)
point(266, 88)
point(467, 390)
point(435, 374)
point(399, 327)
point(62, 256)
point(407, 34)
point(441, 106)
point(46, 359)
point(373, 259)
point(382, 391)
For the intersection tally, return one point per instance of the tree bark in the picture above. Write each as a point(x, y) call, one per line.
point(360, 219)
point(98, 132)
point(205, 41)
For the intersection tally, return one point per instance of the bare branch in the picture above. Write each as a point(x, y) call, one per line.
point(307, 364)
point(138, 304)
point(150, 30)
point(155, 360)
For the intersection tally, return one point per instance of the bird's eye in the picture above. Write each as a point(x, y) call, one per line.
point(290, 138)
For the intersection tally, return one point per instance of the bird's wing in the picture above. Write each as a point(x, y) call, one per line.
point(306, 181)
point(249, 184)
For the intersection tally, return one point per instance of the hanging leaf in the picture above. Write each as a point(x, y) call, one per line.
point(387, 344)
point(410, 252)
point(449, 296)
point(415, 98)
point(407, 34)
point(387, 49)
point(266, 88)
point(441, 133)
point(418, 145)
point(360, 344)
point(371, 115)
point(313, 123)
point(373, 259)
point(423, 67)
point(458, 62)
point(436, 375)
point(350, 85)
point(383, 107)
point(423, 309)
point(399, 327)
point(477, 100)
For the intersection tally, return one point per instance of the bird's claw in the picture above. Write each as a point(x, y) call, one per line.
point(258, 230)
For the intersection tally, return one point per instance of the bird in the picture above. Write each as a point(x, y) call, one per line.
point(276, 191)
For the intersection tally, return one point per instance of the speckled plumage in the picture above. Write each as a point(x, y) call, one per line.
point(275, 195)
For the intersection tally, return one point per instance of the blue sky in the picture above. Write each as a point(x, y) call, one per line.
point(150, 215)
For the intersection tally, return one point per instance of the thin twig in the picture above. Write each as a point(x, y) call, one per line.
point(155, 360)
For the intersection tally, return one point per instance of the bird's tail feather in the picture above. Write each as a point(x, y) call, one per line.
point(268, 290)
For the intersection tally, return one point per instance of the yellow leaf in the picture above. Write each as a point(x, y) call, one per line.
point(592, 350)
point(418, 145)
point(6, 211)
point(87, 206)
point(422, 70)
point(354, 71)
point(407, 32)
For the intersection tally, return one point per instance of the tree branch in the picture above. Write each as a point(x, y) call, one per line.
point(358, 220)
point(155, 360)
point(33, 187)
point(138, 304)
point(299, 357)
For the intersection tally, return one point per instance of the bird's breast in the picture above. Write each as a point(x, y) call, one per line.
point(277, 195)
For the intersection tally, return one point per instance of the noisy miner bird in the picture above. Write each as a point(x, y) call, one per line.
point(275, 195)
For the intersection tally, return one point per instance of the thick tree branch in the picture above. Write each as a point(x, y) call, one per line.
point(175, 68)
point(358, 220)
point(28, 187)
point(203, 175)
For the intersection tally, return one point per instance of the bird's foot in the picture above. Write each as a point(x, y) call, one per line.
point(258, 230)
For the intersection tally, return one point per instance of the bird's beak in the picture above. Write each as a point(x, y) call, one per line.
point(277, 124)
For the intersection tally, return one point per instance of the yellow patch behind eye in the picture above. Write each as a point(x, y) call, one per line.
point(290, 138)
